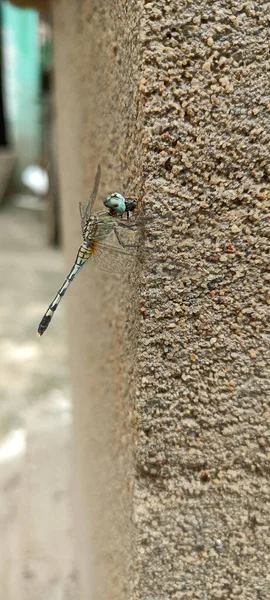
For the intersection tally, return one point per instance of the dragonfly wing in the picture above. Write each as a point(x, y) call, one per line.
point(82, 210)
point(126, 236)
point(112, 259)
point(86, 212)
point(94, 192)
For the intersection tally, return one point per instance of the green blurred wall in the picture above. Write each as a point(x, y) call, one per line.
point(22, 83)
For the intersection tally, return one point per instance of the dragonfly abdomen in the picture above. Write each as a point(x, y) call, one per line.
point(83, 255)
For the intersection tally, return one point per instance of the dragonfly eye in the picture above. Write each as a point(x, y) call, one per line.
point(116, 203)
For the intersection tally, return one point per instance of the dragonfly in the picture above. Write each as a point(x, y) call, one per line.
point(96, 229)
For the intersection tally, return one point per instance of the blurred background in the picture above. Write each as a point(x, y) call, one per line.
point(36, 542)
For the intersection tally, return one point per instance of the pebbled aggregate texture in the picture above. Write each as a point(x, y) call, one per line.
point(201, 147)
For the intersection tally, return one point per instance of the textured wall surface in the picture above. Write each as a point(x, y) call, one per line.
point(202, 488)
point(174, 101)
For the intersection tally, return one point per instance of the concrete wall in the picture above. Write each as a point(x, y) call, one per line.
point(172, 423)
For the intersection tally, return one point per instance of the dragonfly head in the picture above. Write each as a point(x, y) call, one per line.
point(118, 204)
point(115, 203)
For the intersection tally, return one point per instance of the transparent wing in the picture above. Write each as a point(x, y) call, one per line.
point(112, 259)
point(85, 212)
point(126, 236)
point(82, 209)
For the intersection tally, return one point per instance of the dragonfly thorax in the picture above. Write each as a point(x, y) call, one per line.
point(98, 227)
point(89, 229)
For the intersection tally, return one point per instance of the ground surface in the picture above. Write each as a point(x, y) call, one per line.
point(36, 542)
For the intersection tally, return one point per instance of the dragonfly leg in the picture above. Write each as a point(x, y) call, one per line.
point(126, 225)
point(121, 241)
point(118, 237)
point(135, 221)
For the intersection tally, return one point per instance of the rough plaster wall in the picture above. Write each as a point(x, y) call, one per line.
point(202, 489)
point(174, 101)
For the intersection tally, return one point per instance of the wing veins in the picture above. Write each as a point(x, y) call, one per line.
point(107, 258)
point(86, 212)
